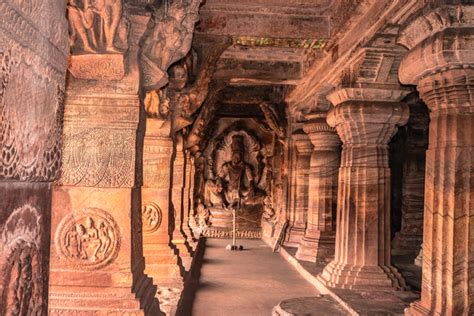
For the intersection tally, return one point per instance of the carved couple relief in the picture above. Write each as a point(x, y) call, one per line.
point(151, 217)
point(94, 23)
point(90, 239)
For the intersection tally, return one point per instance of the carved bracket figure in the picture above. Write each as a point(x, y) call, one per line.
point(167, 39)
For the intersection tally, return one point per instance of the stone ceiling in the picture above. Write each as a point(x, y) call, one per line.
point(274, 43)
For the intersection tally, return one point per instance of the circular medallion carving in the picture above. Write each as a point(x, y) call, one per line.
point(89, 239)
point(151, 217)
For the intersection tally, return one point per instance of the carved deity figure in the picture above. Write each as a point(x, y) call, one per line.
point(236, 176)
point(95, 22)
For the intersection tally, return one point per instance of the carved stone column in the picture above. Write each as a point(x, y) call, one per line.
point(179, 239)
point(299, 207)
point(408, 240)
point(33, 65)
point(97, 263)
point(365, 119)
point(440, 62)
point(188, 205)
point(162, 260)
point(319, 238)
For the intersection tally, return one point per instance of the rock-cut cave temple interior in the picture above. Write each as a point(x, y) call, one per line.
point(236, 157)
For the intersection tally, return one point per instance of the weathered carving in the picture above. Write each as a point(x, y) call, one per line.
point(151, 217)
point(167, 39)
point(29, 139)
point(97, 67)
point(89, 239)
point(21, 287)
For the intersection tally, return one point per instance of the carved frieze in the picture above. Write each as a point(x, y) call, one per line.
point(89, 239)
point(97, 67)
point(98, 157)
point(151, 217)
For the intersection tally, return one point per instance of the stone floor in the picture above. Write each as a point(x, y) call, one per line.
point(365, 303)
point(249, 282)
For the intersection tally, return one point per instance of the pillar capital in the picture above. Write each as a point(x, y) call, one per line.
point(440, 40)
point(302, 143)
point(367, 93)
point(322, 136)
point(351, 118)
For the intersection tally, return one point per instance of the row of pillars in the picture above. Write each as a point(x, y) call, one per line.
point(346, 211)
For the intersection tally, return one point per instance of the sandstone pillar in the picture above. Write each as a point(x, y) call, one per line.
point(408, 240)
point(162, 260)
point(362, 255)
point(188, 204)
point(318, 242)
point(440, 63)
point(33, 65)
point(179, 239)
point(299, 207)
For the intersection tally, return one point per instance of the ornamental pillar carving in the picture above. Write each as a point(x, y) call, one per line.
point(319, 239)
point(365, 120)
point(299, 205)
point(440, 63)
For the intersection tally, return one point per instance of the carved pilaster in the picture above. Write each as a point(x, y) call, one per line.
point(162, 261)
point(440, 62)
point(179, 238)
point(319, 238)
point(299, 206)
point(365, 120)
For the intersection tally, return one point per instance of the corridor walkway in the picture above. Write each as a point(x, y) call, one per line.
point(249, 282)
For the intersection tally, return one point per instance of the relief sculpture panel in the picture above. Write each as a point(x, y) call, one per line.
point(89, 239)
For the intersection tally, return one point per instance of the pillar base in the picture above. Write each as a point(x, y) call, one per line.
point(365, 277)
point(317, 247)
point(67, 300)
point(184, 252)
point(295, 235)
point(163, 265)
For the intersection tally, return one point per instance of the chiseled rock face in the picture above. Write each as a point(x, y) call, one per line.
point(33, 62)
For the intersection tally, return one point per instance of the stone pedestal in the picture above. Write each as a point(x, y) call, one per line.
point(97, 264)
point(299, 204)
point(320, 235)
point(362, 255)
point(440, 64)
point(162, 261)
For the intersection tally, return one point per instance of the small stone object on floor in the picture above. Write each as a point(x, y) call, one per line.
point(234, 247)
